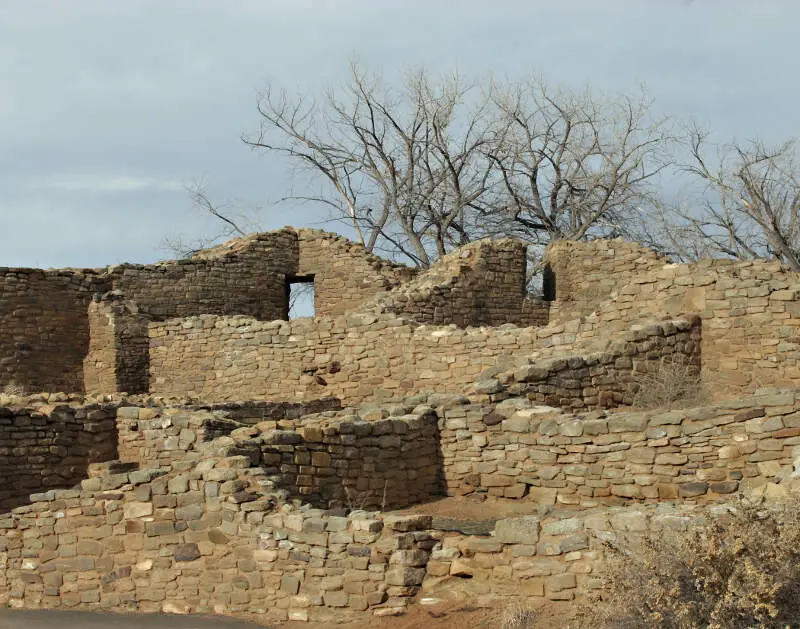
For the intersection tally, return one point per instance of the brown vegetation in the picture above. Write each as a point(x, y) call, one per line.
point(742, 570)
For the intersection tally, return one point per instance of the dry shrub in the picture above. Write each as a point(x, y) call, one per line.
point(739, 572)
point(13, 390)
point(518, 617)
point(671, 383)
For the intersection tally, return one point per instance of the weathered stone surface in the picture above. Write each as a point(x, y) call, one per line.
point(522, 530)
point(187, 552)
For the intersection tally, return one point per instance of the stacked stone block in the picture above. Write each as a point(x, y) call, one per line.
point(51, 446)
point(482, 283)
point(204, 538)
point(345, 274)
point(349, 462)
point(44, 332)
point(517, 449)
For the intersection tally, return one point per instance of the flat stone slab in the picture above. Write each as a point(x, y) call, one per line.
point(466, 527)
point(57, 619)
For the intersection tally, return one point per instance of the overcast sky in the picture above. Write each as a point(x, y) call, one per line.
point(108, 107)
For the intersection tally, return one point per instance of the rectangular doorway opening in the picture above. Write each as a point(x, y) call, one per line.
point(299, 296)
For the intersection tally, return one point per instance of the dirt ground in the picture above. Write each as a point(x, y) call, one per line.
point(451, 615)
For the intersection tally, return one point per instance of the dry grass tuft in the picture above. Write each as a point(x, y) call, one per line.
point(13, 390)
point(518, 617)
point(670, 384)
point(737, 573)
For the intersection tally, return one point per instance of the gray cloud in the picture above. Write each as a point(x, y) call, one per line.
point(107, 109)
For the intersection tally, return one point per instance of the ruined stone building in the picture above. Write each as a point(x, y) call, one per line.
point(170, 441)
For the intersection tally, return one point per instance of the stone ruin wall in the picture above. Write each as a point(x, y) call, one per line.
point(51, 446)
point(751, 306)
point(205, 525)
point(383, 351)
point(244, 279)
point(581, 275)
point(355, 358)
point(518, 449)
point(749, 309)
point(206, 534)
point(747, 312)
point(361, 358)
point(51, 342)
point(345, 275)
point(165, 543)
point(44, 330)
point(480, 284)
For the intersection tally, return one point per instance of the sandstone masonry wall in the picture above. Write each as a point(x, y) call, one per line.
point(212, 531)
point(345, 274)
point(205, 539)
point(118, 355)
point(354, 358)
point(604, 379)
point(45, 328)
point(44, 332)
point(388, 463)
point(308, 450)
point(366, 357)
point(750, 314)
point(516, 449)
point(51, 446)
point(587, 273)
point(246, 277)
point(482, 283)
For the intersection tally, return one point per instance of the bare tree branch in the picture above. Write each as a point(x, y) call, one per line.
point(750, 201)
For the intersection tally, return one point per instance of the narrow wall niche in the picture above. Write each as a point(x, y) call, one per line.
point(548, 283)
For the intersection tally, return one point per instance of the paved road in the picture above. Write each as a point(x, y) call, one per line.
point(47, 619)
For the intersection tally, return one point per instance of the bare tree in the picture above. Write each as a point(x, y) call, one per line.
point(224, 215)
point(438, 163)
point(750, 202)
point(573, 166)
point(401, 167)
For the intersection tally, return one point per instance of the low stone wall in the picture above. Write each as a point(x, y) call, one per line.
point(606, 379)
point(205, 539)
point(51, 446)
point(349, 462)
point(556, 556)
point(154, 436)
point(516, 449)
point(482, 283)
point(354, 358)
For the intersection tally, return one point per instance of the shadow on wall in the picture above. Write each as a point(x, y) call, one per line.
point(384, 464)
point(51, 448)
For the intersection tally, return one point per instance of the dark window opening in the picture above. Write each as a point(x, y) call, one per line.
point(548, 283)
point(299, 296)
